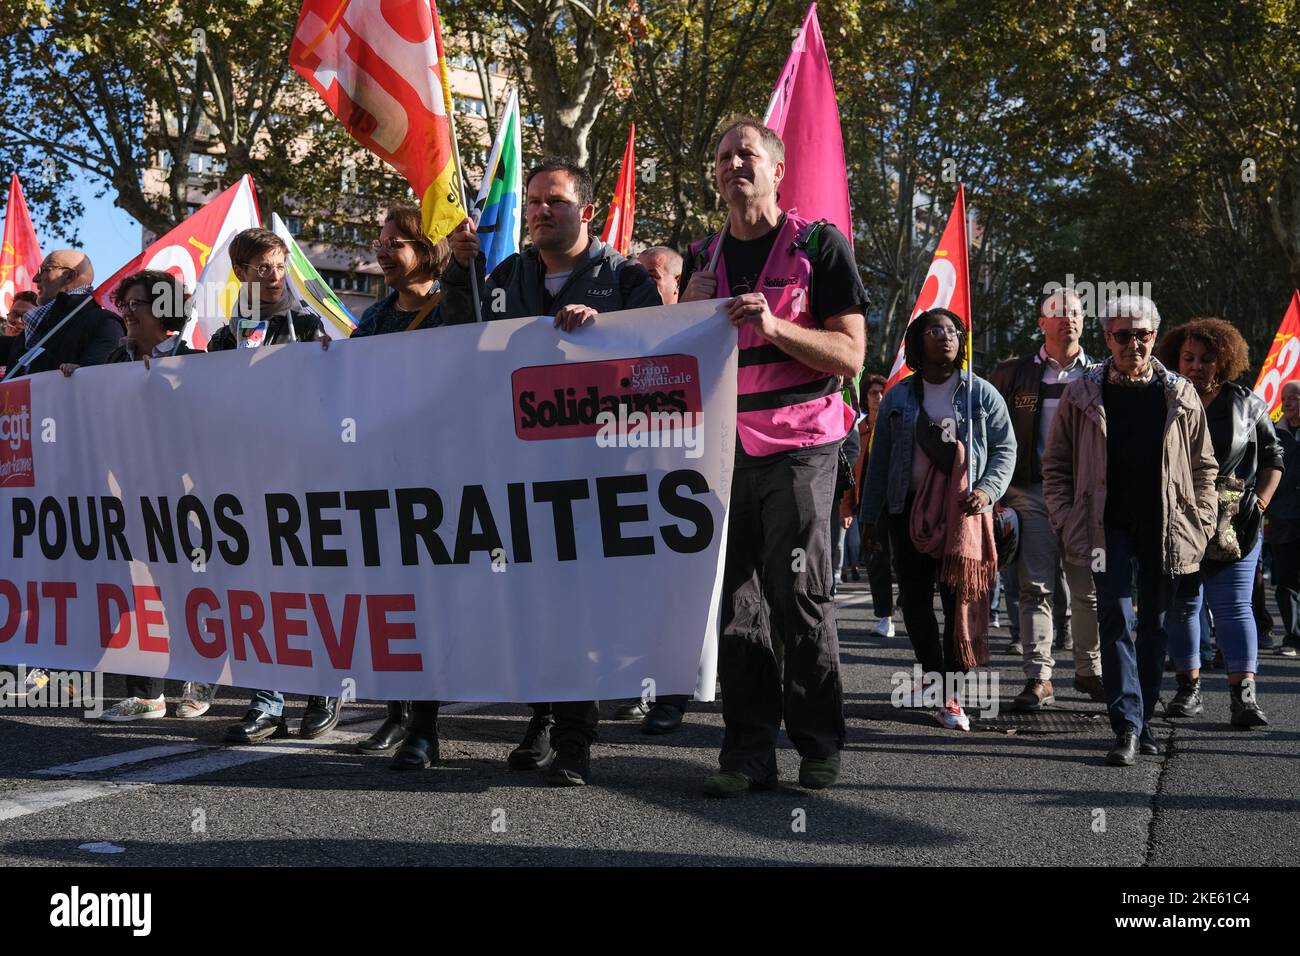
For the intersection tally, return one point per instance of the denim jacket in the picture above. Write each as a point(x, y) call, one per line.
point(889, 465)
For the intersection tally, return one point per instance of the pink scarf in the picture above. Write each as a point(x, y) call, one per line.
point(965, 546)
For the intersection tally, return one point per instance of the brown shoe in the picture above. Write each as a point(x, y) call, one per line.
point(1091, 686)
point(1037, 694)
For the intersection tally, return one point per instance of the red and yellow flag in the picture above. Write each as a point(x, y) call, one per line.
point(622, 211)
point(20, 256)
point(947, 284)
point(1283, 362)
point(380, 67)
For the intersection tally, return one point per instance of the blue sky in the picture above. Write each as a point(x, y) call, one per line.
point(108, 235)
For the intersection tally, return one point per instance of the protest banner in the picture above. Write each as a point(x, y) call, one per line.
point(481, 512)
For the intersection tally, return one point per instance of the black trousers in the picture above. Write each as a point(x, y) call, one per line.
point(776, 590)
point(149, 688)
point(880, 574)
point(1286, 584)
point(575, 720)
point(918, 576)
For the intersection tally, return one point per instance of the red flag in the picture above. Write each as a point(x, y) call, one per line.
point(618, 224)
point(380, 68)
point(184, 250)
point(804, 113)
point(20, 256)
point(947, 284)
point(1283, 362)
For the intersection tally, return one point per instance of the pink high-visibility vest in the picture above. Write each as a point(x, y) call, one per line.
point(782, 404)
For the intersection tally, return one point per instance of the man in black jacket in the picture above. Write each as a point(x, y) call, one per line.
point(1032, 386)
point(65, 281)
point(571, 275)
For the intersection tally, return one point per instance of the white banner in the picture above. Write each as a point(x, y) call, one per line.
point(496, 512)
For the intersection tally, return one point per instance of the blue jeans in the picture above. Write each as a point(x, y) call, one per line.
point(1132, 660)
point(268, 701)
point(1226, 591)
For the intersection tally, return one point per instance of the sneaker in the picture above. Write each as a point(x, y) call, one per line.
point(135, 708)
point(817, 773)
point(1015, 649)
point(994, 620)
point(885, 627)
point(571, 766)
point(952, 717)
point(733, 783)
point(1286, 650)
point(534, 751)
point(196, 698)
point(1036, 695)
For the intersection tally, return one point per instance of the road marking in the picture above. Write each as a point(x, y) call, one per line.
point(23, 803)
point(211, 758)
point(96, 764)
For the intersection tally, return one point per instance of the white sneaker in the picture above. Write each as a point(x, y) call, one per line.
point(135, 708)
point(952, 717)
point(885, 627)
point(196, 698)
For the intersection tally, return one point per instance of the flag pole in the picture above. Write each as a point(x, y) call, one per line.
point(464, 201)
point(970, 346)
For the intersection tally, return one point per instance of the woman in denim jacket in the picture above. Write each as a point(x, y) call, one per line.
point(934, 348)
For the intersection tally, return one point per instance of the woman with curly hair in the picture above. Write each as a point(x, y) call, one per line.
point(1212, 355)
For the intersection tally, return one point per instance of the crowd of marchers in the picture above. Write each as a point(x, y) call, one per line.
point(1118, 502)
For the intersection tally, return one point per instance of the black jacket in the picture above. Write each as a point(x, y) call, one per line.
point(123, 353)
point(307, 327)
point(1244, 440)
point(86, 340)
point(1020, 382)
point(606, 281)
point(1284, 510)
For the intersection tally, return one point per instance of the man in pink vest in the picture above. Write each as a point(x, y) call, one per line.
point(797, 302)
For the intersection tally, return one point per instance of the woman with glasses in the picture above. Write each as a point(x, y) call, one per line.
point(1133, 426)
point(940, 525)
point(411, 265)
point(152, 304)
point(1212, 355)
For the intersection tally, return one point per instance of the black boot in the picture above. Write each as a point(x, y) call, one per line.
point(390, 732)
point(320, 717)
point(1125, 750)
point(534, 751)
point(1187, 702)
point(1245, 709)
point(419, 749)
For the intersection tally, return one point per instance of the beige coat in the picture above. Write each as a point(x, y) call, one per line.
point(1074, 473)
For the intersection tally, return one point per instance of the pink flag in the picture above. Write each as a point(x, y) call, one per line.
point(804, 113)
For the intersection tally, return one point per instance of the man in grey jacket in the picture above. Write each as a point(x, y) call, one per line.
point(571, 275)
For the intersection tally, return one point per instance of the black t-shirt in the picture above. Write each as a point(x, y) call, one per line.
point(836, 285)
point(1135, 428)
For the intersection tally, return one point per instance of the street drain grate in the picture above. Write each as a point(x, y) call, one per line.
point(1041, 722)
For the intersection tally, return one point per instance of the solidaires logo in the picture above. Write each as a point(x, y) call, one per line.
point(17, 466)
point(566, 401)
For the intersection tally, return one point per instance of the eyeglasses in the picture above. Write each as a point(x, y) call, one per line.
point(133, 304)
point(49, 267)
point(942, 332)
point(390, 245)
point(1125, 336)
point(268, 269)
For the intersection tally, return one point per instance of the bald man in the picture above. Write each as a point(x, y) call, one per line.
point(65, 280)
point(665, 268)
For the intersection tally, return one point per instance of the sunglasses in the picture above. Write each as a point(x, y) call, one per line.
point(1125, 336)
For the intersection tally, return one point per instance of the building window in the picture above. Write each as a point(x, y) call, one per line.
point(472, 105)
point(294, 225)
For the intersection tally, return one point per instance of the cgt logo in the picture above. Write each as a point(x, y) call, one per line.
point(17, 467)
point(564, 401)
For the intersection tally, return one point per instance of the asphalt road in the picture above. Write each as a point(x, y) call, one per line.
point(166, 792)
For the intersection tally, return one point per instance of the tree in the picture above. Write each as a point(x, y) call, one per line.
point(128, 92)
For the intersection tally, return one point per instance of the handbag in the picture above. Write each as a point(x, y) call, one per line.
point(1233, 537)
